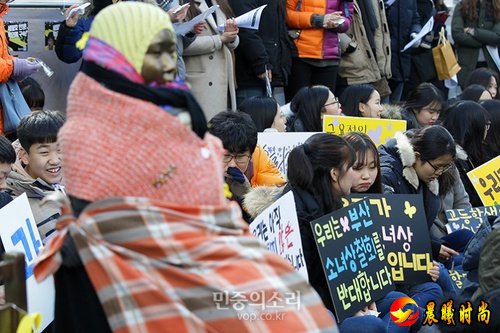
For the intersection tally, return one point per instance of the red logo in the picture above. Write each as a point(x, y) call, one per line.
point(404, 311)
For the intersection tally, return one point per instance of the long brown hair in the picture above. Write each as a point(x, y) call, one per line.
point(194, 10)
point(470, 9)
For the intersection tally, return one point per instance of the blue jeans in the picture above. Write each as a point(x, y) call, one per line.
point(364, 324)
point(424, 292)
point(247, 92)
point(458, 241)
point(445, 281)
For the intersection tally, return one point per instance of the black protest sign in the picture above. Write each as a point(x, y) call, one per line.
point(469, 218)
point(352, 257)
point(401, 222)
point(458, 277)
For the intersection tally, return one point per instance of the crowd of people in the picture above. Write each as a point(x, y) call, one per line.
point(143, 188)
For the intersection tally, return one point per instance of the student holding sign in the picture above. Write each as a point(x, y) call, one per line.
point(411, 164)
point(320, 174)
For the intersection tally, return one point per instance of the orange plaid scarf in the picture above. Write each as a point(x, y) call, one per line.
point(156, 266)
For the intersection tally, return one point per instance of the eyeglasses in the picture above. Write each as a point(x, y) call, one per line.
point(238, 159)
point(441, 170)
point(335, 101)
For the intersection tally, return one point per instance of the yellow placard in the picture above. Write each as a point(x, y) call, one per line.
point(486, 181)
point(379, 130)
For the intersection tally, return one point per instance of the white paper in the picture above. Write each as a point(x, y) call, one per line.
point(278, 146)
point(278, 228)
point(19, 233)
point(249, 20)
point(493, 51)
point(184, 28)
point(425, 30)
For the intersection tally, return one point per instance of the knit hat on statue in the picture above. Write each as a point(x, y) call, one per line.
point(116, 145)
point(138, 24)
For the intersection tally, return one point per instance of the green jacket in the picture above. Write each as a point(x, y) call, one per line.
point(486, 32)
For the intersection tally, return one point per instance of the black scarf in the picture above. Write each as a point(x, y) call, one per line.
point(176, 98)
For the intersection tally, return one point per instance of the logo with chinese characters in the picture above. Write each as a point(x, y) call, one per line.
point(404, 311)
point(466, 313)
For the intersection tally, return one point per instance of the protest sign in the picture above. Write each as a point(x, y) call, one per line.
point(470, 218)
point(458, 277)
point(277, 226)
point(19, 233)
point(486, 181)
point(401, 222)
point(279, 145)
point(352, 257)
point(379, 130)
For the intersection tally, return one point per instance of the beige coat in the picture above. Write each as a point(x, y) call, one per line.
point(210, 67)
point(362, 66)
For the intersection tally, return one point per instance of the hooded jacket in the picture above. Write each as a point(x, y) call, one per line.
point(455, 198)
point(46, 214)
point(397, 158)
point(366, 64)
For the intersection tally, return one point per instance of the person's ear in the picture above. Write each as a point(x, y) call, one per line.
point(418, 157)
point(23, 156)
point(361, 107)
point(334, 175)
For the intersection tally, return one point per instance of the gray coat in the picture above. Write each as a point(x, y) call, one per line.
point(456, 198)
point(486, 32)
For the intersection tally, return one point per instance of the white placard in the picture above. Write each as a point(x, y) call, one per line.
point(278, 228)
point(278, 145)
point(249, 20)
point(19, 233)
point(425, 30)
point(184, 28)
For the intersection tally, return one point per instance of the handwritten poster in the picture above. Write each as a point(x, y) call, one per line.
point(401, 222)
point(353, 258)
point(277, 226)
point(469, 219)
point(486, 181)
point(379, 130)
point(19, 233)
point(279, 145)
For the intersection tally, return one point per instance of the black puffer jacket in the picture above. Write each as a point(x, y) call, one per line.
point(269, 46)
point(396, 155)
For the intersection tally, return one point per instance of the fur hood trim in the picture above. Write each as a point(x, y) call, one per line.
point(461, 154)
point(391, 111)
point(259, 198)
point(408, 159)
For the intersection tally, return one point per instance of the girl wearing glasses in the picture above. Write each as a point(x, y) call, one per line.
point(308, 107)
point(411, 164)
